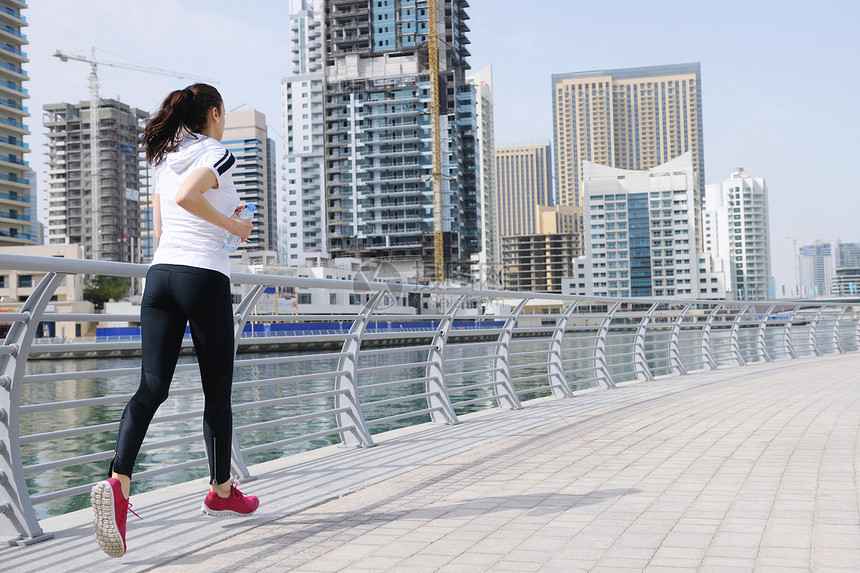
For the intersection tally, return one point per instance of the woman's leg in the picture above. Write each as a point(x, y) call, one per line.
point(206, 298)
point(162, 328)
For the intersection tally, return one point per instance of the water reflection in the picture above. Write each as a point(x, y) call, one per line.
point(577, 352)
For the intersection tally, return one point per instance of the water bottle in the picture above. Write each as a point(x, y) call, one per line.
point(231, 243)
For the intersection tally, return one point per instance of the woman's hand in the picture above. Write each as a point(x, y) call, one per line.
point(241, 227)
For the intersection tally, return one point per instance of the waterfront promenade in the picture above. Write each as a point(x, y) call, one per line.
point(740, 469)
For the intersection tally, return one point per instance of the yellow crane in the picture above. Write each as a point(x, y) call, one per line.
point(433, 56)
point(95, 181)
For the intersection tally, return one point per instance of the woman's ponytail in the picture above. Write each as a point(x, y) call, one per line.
point(182, 111)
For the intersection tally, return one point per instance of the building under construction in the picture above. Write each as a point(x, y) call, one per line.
point(115, 234)
point(379, 164)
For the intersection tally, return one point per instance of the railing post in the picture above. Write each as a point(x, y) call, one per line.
point(555, 366)
point(359, 435)
point(857, 331)
point(836, 331)
point(240, 319)
point(761, 337)
point(502, 376)
point(734, 337)
point(640, 360)
point(813, 326)
point(17, 509)
point(674, 343)
point(786, 334)
point(707, 355)
point(440, 400)
point(600, 362)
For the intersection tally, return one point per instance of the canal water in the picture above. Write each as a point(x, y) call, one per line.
point(54, 480)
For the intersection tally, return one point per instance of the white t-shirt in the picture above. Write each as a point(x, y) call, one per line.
point(185, 238)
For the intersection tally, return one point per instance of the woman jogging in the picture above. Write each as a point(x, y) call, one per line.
point(195, 205)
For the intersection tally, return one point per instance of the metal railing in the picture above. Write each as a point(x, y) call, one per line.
point(370, 371)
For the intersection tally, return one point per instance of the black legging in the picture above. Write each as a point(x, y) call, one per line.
point(174, 296)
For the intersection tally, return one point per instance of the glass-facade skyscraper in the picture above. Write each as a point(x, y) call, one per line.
point(17, 218)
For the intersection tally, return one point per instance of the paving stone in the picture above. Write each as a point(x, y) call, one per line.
point(740, 469)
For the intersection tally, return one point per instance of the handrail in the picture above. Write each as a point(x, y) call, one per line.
point(405, 372)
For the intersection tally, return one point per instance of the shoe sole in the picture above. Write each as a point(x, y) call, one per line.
point(104, 520)
point(224, 512)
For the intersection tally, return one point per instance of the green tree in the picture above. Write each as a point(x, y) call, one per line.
point(102, 288)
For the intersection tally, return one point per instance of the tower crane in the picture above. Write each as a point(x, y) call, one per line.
point(433, 56)
point(94, 125)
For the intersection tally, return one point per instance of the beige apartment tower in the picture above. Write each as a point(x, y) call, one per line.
point(247, 137)
point(524, 181)
point(632, 118)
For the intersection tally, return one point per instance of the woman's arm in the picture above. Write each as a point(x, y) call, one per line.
point(190, 197)
point(156, 217)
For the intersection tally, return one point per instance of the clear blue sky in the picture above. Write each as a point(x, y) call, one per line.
point(779, 78)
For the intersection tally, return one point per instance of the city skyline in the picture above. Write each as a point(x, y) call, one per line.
point(763, 103)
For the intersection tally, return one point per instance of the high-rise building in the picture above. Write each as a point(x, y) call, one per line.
point(736, 231)
point(16, 215)
point(378, 137)
point(847, 254)
point(524, 182)
point(631, 118)
point(487, 270)
point(815, 266)
point(70, 194)
point(301, 198)
point(246, 136)
point(642, 234)
point(540, 262)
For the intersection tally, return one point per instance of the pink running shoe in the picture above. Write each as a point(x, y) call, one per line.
point(110, 510)
point(237, 505)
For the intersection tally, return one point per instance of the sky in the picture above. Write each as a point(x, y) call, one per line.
point(779, 78)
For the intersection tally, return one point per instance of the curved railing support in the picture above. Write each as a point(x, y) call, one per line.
point(502, 363)
point(439, 399)
point(600, 362)
point(813, 327)
point(786, 334)
point(837, 342)
point(640, 360)
point(674, 343)
point(734, 338)
point(358, 435)
point(555, 366)
point(707, 355)
point(240, 319)
point(19, 509)
point(857, 332)
point(761, 337)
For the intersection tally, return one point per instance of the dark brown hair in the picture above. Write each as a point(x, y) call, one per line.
point(184, 110)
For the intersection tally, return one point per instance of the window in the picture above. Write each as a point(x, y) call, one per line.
point(25, 281)
point(354, 299)
point(304, 298)
point(332, 298)
point(3, 281)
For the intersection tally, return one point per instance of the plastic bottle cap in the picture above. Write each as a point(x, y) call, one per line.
point(251, 207)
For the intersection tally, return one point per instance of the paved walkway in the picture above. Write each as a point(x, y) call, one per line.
point(752, 468)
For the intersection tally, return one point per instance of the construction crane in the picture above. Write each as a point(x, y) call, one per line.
point(433, 56)
point(94, 126)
